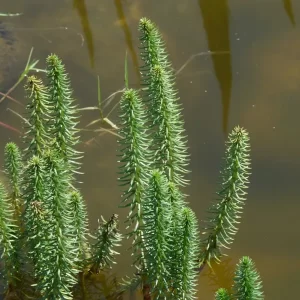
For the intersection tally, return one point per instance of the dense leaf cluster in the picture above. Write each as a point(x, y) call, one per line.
point(44, 233)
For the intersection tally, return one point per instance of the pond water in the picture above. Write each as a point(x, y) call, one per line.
point(251, 78)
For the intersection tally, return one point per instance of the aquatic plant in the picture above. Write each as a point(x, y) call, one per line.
point(78, 215)
point(34, 214)
point(36, 136)
point(9, 241)
point(58, 249)
point(226, 210)
point(171, 247)
point(247, 282)
point(64, 113)
point(184, 275)
point(135, 163)
point(156, 217)
point(44, 213)
point(108, 237)
point(168, 139)
point(222, 294)
point(13, 170)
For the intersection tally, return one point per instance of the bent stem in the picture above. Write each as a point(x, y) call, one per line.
point(30, 66)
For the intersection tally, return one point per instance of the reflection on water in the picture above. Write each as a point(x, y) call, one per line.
point(128, 37)
point(80, 7)
point(289, 11)
point(215, 15)
point(220, 275)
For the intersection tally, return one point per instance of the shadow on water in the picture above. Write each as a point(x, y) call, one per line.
point(128, 37)
point(288, 7)
point(215, 15)
point(221, 274)
point(80, 7)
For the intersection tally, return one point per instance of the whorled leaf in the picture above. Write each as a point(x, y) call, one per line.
point(35, 216)
point(225, 212)
point(107, 238)
point(135, 163)
point(64, 113)
point(36, 137)
point(186, 244)
point(222, 294)
point(78, 226)
point(60, 263)
point(9, 241)
point(247, 282)
point(169, 140)
point(13, 169)
point(157, 217)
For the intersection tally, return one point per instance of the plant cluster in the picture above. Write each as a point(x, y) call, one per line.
point(47, 250)
point(43, 219)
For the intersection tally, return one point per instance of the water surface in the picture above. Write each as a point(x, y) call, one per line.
point(251, 78)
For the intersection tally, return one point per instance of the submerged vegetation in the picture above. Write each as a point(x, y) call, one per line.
point(47, 249)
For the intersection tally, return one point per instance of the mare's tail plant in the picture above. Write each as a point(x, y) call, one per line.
point(108, 237)
point(34, 216)
point(64, 113)
point(60, 264)
point(42, 214)
point(36, 137)
point(45, 213)
point(247, 282)
point(77, 208)
point(222, 294)
point(166, 122)
point(225, 212)
point(9, 234)
point(135, 159)
point(168, 153)
point(154, 145)
point(184, 262)
point(13, 170)
point(156, 230)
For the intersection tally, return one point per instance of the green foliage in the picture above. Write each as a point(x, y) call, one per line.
point(34, 213)
point(107, 238)
point(57, 282)
point(8, 239)
point(225, 212)
point(38, 108)
point(187, 239)
point(51, 214)
point(247, 282)
point(176, 230)
point(168, 140)
point(64, 112)
point(13, 170)
point(134, 157)
point(79, 218)
point(222, 294)
point(46, 233)
point(157, 221)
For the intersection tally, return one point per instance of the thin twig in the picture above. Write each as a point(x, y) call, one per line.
point(10, 127)
point(112, 96)
point(200, 54)
point(11, 98)
point(17, 114)
point(29, 66)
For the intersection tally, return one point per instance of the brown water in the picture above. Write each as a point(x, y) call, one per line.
point(253, 80)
